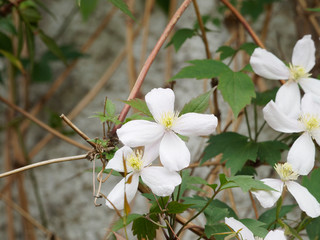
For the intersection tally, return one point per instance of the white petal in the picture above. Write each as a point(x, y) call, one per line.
point(160, 180)
point(310, 104)
point(268, 198)
point(304, 53)
point(306, 201)
point(310, 85)
point(288, 99)
point(237, 225)
point(302, 154)
point(279, 121)
point(268, 65)
point(151, 152)
point(116, 196)
point(195, 124)
point(316, 135)
point(139, 133)
point(159, 101)
point(116, 162)
point(275, 235)
point(174, 154)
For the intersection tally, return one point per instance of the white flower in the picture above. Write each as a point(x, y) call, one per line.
point(306, 201)
point(269, 66)
point(246, 234)
point(160, 180)
point(174, 154)
point(306, 119)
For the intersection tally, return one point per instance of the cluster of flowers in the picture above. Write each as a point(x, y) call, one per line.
point(152, 140)
point(291, 114)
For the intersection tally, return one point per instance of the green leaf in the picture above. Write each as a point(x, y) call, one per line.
point(15, 61)
point(246, 183)
point(313, 229)
point(31, 15)
point(226, 51)
point(237, 89)
point(205, 19)
point(176, 207)
point(263, 98)
point(269, 216)
point(41, 72)
point(270, 151)
point(6, 43)
point(252, 8)
point(164, 5)
point(201, 69)
point(248, 47)
point(137, 116)
point(312, 183)
point(143, 228)
point(180, 37)
point(217, 231)
point(69, 52)
point(87, 7)
point(52, 46)
point(198, 104)
point(236, 149)
point(123, 222)
point(313, 9)
point(256, 227)
point(123, 7)
point(110, 108)
point(140, 105)
point(7, 26)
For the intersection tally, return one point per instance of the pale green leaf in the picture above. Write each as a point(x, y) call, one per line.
point(198, 104)
point(123, 7)
point(140, 105)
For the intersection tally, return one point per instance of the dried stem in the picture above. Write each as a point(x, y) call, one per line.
point(254, 205)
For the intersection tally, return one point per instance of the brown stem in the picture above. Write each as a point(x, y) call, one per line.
point(254, 205)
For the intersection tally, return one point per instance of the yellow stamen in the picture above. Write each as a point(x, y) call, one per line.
point(310, 121)
point(297, 72)
point(285, 172)
point(168, 119)
point(135, 160)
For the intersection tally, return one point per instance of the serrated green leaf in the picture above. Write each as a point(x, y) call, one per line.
point(143, 228)
point(312, 183)
point(246, 183)
point(218, 230)
point(123, 222)
point(201, 69)
point(236, 149)
point(180, 37)
point(87, 7)
point(256, 227)
point(176, 207)
point(123, 7)
point(198, 104)
point(313, 229)
point(263, 98)
point(110, 108)
point(237, 89)
point(248, 47)
point(226, 51)
point(140, 105)
point(270, 151)
point(269, 216)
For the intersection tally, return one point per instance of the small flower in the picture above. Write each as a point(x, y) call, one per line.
point(174, 154)
point(306, 201)
point(305, 118)
point(269, 66)
point(160, 180)
point(245, 234)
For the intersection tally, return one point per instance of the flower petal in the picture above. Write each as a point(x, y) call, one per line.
point(239, 227)
point(306, 201)
point(116, 196)
point(174, 154)
point(316, 135)
point(302, 154)
point(195, 124)
point(279, 121)
point(151, 152)
point(275, 234)
point(304, 53)
point(310, 85)
point(159, 101)
point(160, 180)
point(268, 65)
point(139, 133)
point(288, 99)
point(268, 198)
point(116, 162)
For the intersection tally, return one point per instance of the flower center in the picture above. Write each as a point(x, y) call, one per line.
point(135, 160)
point(285, 172)
point(310, 121)
point(297, 72)
point(168, 119)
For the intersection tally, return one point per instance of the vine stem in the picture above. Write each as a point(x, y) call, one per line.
point(43, 163)
point(151, 58)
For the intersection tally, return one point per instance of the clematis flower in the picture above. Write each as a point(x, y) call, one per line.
point(269, 66)
point(160, 180)
point(305, 119)
point(174, 154)
point(306, 201)
point(246, 234)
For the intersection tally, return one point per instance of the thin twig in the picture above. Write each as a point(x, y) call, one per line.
point(254, 205)
point(43, 163)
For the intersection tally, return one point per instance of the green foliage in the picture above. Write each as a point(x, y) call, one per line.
point(123, 7)
point(107, 171)
point(180, 37)
point(246, 183)
point(137, 116)
point(87, 7)
point(254, 8)
point(7, 26)
point(125, 221)
point(263, 98)
point(41, 72)
point(164, 5)
point(256, 227)
point(6, 43)
point(237, 89)
point(269, 216)
point(218, 230)
point(270, 151)
point(143, 228)
point(313, 229)
point(248, 47)
point(236, 149)
point(312, 183)
point(14, 60)
point(176, 207)
point(313, 9)
point(226, 51)
point(69, 52)
point(198, 104)
point(139, 105)
point(109, 115)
